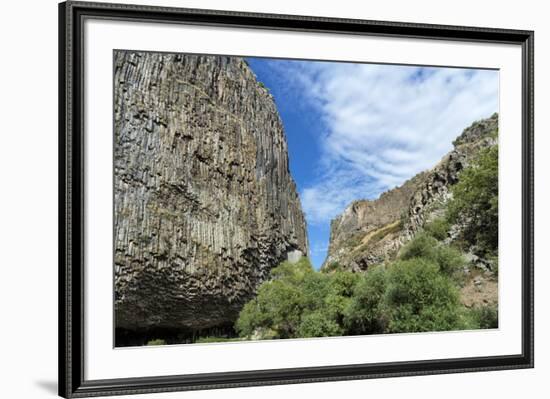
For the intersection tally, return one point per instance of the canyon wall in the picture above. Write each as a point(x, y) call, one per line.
point(204, 203)
point(370, 232)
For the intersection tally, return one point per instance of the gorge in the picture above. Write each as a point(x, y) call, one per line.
point(207, 213)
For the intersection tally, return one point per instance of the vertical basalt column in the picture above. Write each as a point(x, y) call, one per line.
point(205, 204)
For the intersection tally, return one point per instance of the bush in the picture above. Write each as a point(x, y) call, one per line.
point(449, 260)
point(262, 85)
point(419, 298)
point(280, 303)
point(484, 317)
point(277, 307)
point(292, 273)
point(421, 246)
point(364, 313)
point(319, 324)
point(413, 294)
point(338, 295)
point(295, 300)
point(437, 228)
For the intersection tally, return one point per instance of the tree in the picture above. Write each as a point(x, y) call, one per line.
point(420, 298)
point(475, 201)
point(448, 259)
point(364, 313)
point(277, 308)
point(298, 302)
point(339, 295)
point(318, 324)
point(280, 303)
point(421, 246)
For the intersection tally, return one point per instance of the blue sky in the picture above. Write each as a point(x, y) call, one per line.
point(357, 130)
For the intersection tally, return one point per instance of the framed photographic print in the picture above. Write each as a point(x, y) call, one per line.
point(253, 199)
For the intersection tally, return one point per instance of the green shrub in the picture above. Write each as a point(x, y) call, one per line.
point(449, 260)
point(364, 313)
point(437, 228)
point(319, 324)
point(262, 85)
point(338, 295)
point(280, 303)
point(415, 293)
point(484, 317)
point(421, 246)
point(419, 298)
point(278, 307)
point(292, 273)
point(285, 305)
point(343, 283)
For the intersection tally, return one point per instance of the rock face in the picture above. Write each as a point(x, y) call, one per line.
point(370, 232)
point(425, 204)
point(204, 202)
point(354, 233)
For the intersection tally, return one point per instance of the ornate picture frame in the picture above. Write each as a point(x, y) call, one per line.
point(73, 275)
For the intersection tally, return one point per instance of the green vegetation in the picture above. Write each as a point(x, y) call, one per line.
point(298, 302)
point(365, 313)
point(417, 291)
point(331, 267)
point(438, 228)
point(484, 316)
point(207, 340)
point(420, 298)
point(475, 202)
point(263, 86)
point(449, 260)
point(382, 232)
point(156, 342)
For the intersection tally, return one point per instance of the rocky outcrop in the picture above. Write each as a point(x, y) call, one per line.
point(360, 235)
point(426, 202)
point(204, 202)
point(370, 232)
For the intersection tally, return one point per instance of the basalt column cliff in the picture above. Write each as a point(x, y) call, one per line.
point(205, 204)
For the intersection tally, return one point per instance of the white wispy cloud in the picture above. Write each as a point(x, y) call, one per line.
point(383, 124)
point(318, 248)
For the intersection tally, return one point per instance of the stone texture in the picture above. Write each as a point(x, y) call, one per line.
point(352, 234)
point(370, 232)
point(434, 189)
point(204, 201)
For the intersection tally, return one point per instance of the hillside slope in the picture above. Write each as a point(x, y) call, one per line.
point(371, 232)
